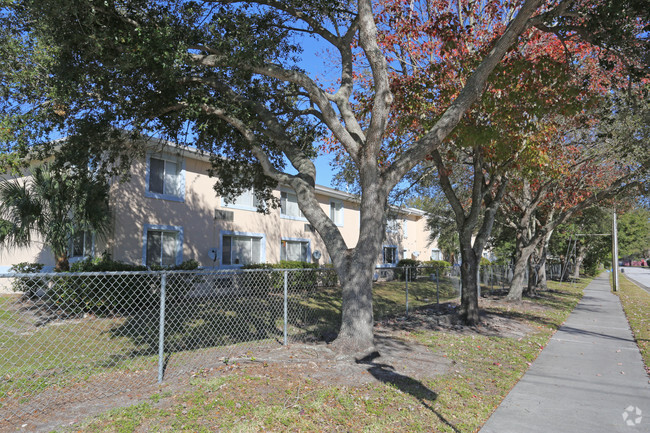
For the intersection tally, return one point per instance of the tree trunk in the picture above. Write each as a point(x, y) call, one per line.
point(357, 321)
point(531, 288)
point(355, 268)
point(519, 274)
point(61, 263)
point(541, 273)
point(580, 257)
point(469, 310)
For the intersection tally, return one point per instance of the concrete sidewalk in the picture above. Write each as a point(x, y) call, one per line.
point(589, 378)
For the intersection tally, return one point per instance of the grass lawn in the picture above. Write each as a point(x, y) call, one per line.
point(636, 303)
point(251, 397)
point(64, 352)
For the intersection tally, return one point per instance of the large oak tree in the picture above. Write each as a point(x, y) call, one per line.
point(223, 76)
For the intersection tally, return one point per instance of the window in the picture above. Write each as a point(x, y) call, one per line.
point(165, 179)
point(82, 244)
point(405, 228)
point(163, 245)
point(392, 225)
point(289, 206)
point(241, 249)
point(245, 200)
point(336, 212)
point(390, 255)
point(436, 255)
point(296, 250)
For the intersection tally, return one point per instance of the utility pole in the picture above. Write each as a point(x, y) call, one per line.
point(615, 251)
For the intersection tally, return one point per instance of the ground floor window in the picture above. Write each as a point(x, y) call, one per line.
point(81, 244)
point(163, 246)
point(294, 250)
point(241, 249)
point(436, 255)
point(390, 255)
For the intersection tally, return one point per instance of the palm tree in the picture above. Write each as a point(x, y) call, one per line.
point(55, 204)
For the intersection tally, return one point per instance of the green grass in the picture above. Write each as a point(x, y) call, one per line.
point(251, 398)
point(636, 303)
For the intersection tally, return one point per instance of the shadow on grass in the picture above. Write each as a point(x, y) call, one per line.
point(386, 374)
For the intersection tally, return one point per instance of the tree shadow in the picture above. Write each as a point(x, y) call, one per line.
point(386, 374)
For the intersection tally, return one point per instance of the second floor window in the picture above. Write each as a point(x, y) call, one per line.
point(392, 225)
point(289, 205)
point(246, 200)
point(336, 212)
point(165, 178)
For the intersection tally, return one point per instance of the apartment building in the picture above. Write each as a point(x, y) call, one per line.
point(169, 212)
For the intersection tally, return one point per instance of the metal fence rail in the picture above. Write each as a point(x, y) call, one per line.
point(68, 337)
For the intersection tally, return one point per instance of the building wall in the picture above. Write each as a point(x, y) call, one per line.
point(202, 218)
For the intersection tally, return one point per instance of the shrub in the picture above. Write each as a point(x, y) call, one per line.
point(262, 282)
point(109, 294)
point(485, 262)
point(433, 266)
point(400, 272)
point(104, 264)
point(187, 265)
point(28, 285)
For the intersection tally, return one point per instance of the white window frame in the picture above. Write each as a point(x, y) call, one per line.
point(231, 233)
point(383, 256)
point(405, 228)
point(180, 173)
point(297, 240)
point(336, 214)
point(73, 258)
point(250, 206)
point(287, 192)
point(163, 228)
point(437, 252)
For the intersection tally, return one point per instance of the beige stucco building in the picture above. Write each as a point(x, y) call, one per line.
point(169, 212)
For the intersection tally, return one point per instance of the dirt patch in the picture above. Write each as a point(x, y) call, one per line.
point(394, 357)
point(445, 318)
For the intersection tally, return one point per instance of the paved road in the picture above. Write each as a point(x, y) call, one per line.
point(584, 380)
point(641, 276)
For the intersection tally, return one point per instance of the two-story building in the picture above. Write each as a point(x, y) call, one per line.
point(169, 212)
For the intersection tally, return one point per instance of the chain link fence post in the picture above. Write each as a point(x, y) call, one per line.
point(437, 290)
point(161, 332)
point(286, 304)
point(407, 272)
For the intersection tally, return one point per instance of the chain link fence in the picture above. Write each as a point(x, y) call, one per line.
point(75, 337)
point(68, 337)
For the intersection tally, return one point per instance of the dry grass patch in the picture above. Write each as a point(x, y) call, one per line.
point(636, 303)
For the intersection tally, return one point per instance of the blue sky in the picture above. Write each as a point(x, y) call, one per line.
point(314, 62)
